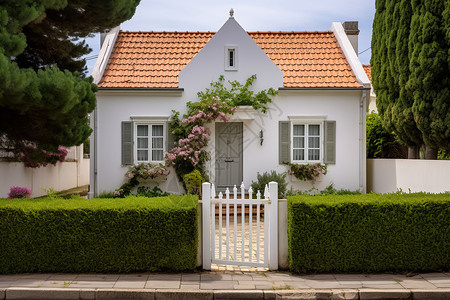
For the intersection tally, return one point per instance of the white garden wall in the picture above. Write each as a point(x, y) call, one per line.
point(415, 175)
point(61, 177)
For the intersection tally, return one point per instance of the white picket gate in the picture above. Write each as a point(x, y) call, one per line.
point(252, 238)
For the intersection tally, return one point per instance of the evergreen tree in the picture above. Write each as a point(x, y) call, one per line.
point(429, 81)
point(40, 104)
point(410, 71)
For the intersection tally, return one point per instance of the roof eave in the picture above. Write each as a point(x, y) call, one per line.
point(360, 88)
point(168, 92)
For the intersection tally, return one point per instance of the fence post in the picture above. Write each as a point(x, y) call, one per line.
point(273, 229)
point(206, 215)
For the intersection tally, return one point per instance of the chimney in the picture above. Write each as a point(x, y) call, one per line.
point(352, 31)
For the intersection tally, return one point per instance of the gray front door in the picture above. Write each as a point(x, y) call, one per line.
point(229, 140)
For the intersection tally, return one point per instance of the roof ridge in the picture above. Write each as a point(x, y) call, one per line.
point(214, 32)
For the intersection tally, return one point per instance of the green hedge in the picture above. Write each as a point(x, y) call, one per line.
point(369, 233)
point(98, 235)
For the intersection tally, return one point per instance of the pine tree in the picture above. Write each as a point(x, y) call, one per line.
point(40, 104)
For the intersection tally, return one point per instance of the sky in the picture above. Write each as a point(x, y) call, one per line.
point(252, 15)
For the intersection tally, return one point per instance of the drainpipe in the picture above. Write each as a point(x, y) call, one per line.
point(93, 160)
point(362, 142)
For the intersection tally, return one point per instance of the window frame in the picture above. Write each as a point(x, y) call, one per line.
point(228, 49)
point(150, 125)
point(306, 141)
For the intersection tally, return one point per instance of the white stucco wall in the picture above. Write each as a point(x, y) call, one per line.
point(62, 176)
point(408, 175)
point(112, 109)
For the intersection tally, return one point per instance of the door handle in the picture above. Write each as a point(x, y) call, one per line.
point(229, 160)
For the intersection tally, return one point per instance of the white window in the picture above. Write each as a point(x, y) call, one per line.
point(149, 142)
point(231, 58)
point(307, 142)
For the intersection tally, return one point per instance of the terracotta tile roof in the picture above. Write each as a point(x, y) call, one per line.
point(154, 59)
point(368, 70)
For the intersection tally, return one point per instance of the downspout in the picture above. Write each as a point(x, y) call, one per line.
point(362, 142)
point(93, 159)
point(95, 153)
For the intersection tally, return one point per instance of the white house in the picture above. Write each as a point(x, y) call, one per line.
point(318, 115)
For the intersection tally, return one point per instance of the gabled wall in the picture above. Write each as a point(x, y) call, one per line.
point(209, 63)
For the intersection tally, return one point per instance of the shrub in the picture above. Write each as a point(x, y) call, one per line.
point(99, 235)
point(266, 177)
point(381, 143)
point(193, 182)
point(145, 191)
point(307, 172)
point(33, 157)
point(369, 233)
point(19, 192)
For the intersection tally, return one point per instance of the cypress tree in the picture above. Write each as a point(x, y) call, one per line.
point(410, 71)
point(429, 80)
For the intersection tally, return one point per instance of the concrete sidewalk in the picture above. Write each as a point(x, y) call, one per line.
point(225, 285)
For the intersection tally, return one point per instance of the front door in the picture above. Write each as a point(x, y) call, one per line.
point(229, 141)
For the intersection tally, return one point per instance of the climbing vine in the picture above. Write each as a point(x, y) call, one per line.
point(189, 132)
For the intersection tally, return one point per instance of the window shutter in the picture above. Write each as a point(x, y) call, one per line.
point(127, 143)
point(330, 142)
point(169, 139)
point(284, 142)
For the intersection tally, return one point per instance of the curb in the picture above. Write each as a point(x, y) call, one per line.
point(16, 293)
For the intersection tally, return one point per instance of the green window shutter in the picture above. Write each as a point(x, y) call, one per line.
point(169, 139)
point(330, 142)
point(127, 143)
point(284, 142)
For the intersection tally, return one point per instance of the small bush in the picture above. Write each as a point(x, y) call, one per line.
point(144, 191)
point(266, 177)
point(98, 235)
point(19, 192)
point(369, 233)
point(193, 182)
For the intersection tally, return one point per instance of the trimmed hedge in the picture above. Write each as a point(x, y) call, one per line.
point(98, 235)
point(369, 233)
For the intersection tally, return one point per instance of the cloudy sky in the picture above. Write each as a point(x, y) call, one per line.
point(253, 15)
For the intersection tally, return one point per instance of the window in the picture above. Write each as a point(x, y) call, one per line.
point(149, 142)
point(306, 142)
point(231, 58)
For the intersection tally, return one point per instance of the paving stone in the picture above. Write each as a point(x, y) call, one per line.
point(126, 284)
point(323, 284)
point(241, 277)
point(42, 293)
point(92, 284)
point(417, 284)
point(224, 295)
point(431, 294)
point(216, 277)
point(370, 294)
point(164, 277)
point(244, 287)
point(115, 294)
point(190, 286)
point(29, 282)
point(345, 294)
point(218, 285)
point(62, 277)
point(183, 295)
point(163, 284)
point(97, 277)
point(190, 277)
